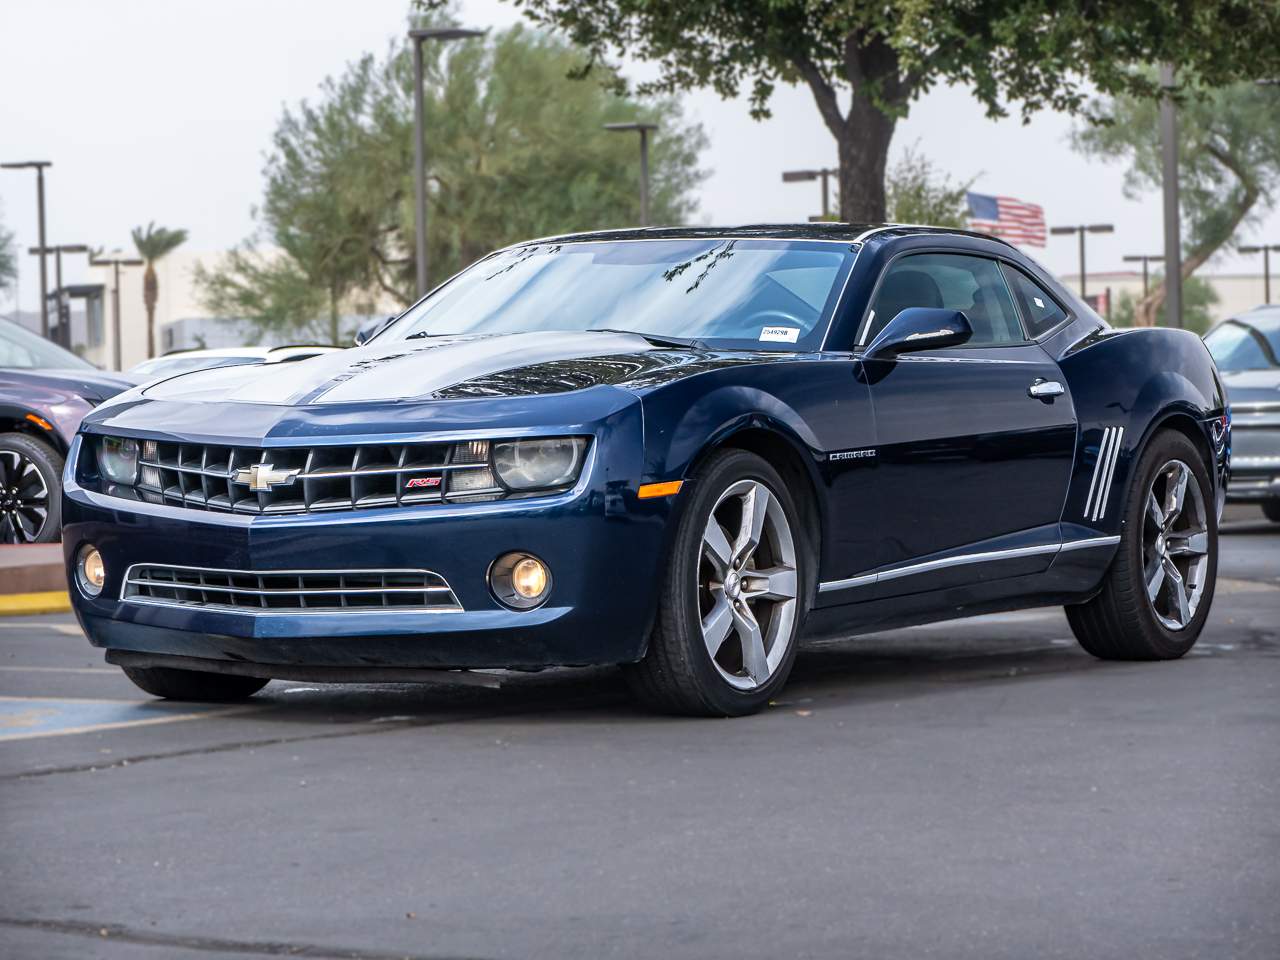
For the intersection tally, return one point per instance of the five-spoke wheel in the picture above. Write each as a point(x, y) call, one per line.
point(1175, 545)
point(732, 597)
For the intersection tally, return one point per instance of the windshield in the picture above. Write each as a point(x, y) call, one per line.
point(754, 294)
point(172, 366)
point(1237, 346)
point(23, 350)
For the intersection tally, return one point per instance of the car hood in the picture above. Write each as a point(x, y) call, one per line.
point(92, 385)
point(441, 367)
point(1252, 386)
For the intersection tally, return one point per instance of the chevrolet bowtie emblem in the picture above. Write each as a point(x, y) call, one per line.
point(262, 477)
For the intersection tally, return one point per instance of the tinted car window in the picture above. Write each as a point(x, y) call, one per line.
point(24, 350)
point(1040, 311)
point(973, 285)
point(1236, 346)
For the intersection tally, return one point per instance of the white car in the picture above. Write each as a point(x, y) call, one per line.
point(185, 361)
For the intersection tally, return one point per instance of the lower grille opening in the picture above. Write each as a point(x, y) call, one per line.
point(289, 590)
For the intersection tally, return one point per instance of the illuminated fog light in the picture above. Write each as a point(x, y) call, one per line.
point(90, 571)
point(466, 481)
point(520, 580)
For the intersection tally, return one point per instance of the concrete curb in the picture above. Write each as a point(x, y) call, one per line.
point(26, 604)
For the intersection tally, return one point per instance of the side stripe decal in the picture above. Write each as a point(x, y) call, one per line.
point(1095, 504)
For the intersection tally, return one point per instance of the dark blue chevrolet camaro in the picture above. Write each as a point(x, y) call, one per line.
point(678, 450)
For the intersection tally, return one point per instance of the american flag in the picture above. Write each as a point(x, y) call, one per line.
point(1013, 220)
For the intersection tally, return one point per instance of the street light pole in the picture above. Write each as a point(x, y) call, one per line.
point(64, 329)
point(824, 174)
point(39, 166)
point(1082, 230)
point(1146, 258)
point(644, 129)
point(1264, 249)
point(116, 262)
point(1172, 215)
point(419, 147)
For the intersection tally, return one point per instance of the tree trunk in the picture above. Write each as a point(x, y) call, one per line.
point(150, 296)
point(863, 151)
point(333, 319)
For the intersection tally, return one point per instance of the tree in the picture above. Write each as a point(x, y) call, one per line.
point(514, 149)
point(1229, 163)
point(154, 243)
point(917, 192)
point(8, 260)
point(1198, 296)
point(865, 62)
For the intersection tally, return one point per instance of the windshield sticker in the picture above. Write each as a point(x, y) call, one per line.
point(780, 334)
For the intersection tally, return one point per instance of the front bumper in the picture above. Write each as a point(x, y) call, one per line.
point(602, 545)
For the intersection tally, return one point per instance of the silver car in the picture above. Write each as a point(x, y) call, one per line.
point(1247, 351)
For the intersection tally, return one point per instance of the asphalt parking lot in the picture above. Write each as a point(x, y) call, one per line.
point(974, 789)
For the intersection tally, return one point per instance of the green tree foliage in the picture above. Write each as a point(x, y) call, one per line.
point(865, 62)
point(515, 149)
point(8, 260)
point(1198, 296)
point(154, 243)
point(918, 192)
point(1229, 163)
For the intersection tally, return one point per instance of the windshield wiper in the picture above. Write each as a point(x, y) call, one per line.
point(656, 339)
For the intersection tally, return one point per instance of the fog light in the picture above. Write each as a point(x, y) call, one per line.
point(520, 580)
point(90, 571)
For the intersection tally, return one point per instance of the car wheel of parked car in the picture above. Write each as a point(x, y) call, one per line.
point(724, 638)
point(1156, 594)
point(1272, 510)
point(30, 488)
point(193, 684)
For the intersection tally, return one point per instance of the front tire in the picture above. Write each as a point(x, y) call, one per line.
point(194, 685)
point(732, 599)
point(1156, 595)
point(30, 490)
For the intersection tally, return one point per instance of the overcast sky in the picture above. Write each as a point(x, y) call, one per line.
point(162, 109)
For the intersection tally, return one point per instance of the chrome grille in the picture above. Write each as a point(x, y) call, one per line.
point(289, 590)
point(315, 478)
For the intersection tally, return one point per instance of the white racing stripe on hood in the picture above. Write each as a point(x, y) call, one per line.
point(399, 370)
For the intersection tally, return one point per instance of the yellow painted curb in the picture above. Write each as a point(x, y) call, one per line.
point(48, 601)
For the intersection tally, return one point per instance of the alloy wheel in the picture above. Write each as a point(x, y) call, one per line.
point(747, 585)
point(24, 498)
point(1175, 544)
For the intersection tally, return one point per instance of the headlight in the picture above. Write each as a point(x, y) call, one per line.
point(539, 464)
point(118, 459)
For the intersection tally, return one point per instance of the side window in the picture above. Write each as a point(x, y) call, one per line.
point(974, 285)
point(1040, 311)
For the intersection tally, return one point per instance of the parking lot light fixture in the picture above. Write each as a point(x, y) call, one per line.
point(1146, 259)
point(418, 37)
point(644, 129)
point(803, 176)
point(64, 320)
point(1082, 229)
point(1266, 249)
point(116, 261)
point(38, 166)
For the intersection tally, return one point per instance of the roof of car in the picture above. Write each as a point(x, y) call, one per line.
point(840, 232)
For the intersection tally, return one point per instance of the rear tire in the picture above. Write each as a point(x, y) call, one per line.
point(732, 598)
point(1138, 615)
point(1271, 508)
point(194, 685)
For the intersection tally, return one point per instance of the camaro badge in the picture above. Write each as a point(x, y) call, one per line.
point(853, 454)
point(262, 477)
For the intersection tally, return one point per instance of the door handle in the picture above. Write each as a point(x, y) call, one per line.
point(1046, 390)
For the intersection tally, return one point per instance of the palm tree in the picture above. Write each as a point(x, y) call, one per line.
point(154, 243)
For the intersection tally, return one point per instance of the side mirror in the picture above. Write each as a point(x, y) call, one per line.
point(370, 329)
point(920, 328)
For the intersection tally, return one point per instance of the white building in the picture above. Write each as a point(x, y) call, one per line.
point(1237, 292)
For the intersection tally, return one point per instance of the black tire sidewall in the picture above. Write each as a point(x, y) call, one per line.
point(49, 462)
point(719, 474)
point(1166, 446)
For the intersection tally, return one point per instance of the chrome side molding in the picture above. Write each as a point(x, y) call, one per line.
point(986, 556)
